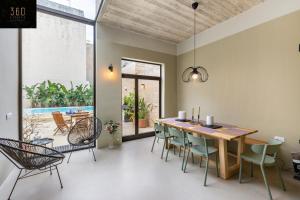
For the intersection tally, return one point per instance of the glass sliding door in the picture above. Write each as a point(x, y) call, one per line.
point(57, 78)
point(141, 98)
point(149, 105)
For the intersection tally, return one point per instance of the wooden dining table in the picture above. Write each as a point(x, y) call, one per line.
point(223, 135)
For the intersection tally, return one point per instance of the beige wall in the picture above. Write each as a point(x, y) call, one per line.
point(254, 80)
point(111, 50)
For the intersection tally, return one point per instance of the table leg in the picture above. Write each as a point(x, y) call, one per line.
point(241, 148)
point(223, 157)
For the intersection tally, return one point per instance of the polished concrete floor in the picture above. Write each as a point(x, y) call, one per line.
point(132, 172)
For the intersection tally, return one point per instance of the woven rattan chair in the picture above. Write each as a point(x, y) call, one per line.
point(30, 159)
point(84, 133)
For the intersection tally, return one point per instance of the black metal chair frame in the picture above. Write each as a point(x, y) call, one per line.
point(91, 140)
point(28, 172)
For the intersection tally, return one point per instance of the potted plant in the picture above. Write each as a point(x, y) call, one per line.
point(144, 110)
point(111, 127)
point(128, 107)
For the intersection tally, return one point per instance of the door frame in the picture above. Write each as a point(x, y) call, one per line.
point(136, 78)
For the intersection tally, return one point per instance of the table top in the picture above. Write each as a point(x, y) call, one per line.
point(227, 132)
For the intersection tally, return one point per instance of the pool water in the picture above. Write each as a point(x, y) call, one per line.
point(34, 111)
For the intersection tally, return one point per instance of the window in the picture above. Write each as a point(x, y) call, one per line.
point(81, 8)
point(57, 76)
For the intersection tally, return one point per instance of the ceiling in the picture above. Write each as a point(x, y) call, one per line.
point(170, 20)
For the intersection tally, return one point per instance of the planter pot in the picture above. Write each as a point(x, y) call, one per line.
point(143, 123)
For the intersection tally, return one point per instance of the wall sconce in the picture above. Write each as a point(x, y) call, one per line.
point(111, 68)
point(143, 86)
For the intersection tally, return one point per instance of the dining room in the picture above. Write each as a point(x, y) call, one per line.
point(172, 100)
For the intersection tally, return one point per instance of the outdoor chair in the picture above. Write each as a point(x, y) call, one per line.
point(61, 123)
point(203, 147)
point(160, 133)
point(264, 155)
point(84, 134)
point(30, 159)
point(177, 139)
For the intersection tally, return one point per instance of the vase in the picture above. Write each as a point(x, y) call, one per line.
point(111, 144)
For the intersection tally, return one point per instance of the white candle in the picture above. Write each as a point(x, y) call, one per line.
point(209, 120)
point(182, 115)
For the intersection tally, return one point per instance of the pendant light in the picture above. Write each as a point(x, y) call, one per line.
point(195, 73)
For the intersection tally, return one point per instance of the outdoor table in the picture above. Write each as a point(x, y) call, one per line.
point(42, 141)
point(223, 135)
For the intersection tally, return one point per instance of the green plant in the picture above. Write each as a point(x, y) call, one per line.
point(54, 94)
point(128, 106)
point(144, 108)
point(111, 126)
point(30, 94)
point(42, 94)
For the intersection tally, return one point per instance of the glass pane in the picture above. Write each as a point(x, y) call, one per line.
point(57, 77)
point(128, 106)
point(83, 8)
point(132, 67)
point(148, 104)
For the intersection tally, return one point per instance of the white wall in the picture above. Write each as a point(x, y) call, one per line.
point(8, 91)
point(55, 50)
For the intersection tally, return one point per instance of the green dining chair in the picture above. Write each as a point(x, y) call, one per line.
point(203, 147)
point(160, 133)
point(264, 155)
point(177, 139)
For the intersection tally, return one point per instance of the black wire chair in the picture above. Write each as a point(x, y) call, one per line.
point(30, 158)
point(84, 134)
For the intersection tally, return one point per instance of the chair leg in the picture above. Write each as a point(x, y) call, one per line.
point(183, 159)
point(217, 164)
point(61, 185)
point(200, 161)
point(153, 144)
point(251, 169)
point(174, 149)
point(163, 149)
point(266, 181)
point(186, 160)
point(179, 151)
point(50, 170)
point(15, 184)
point(93, 154)
point(281, 179)
point(168, 153)
point(241, 170)
point(193, 160)
point(69, 157)
point(206, 169)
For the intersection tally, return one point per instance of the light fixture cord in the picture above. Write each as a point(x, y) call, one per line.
point(194, 37)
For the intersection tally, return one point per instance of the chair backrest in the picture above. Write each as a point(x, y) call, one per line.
point(85, 131)
point(80, 115)
point(58, 119)
point(158, 128)
point(197, 140)
point(271, 148)
point(28, 156)
point(176, 132)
